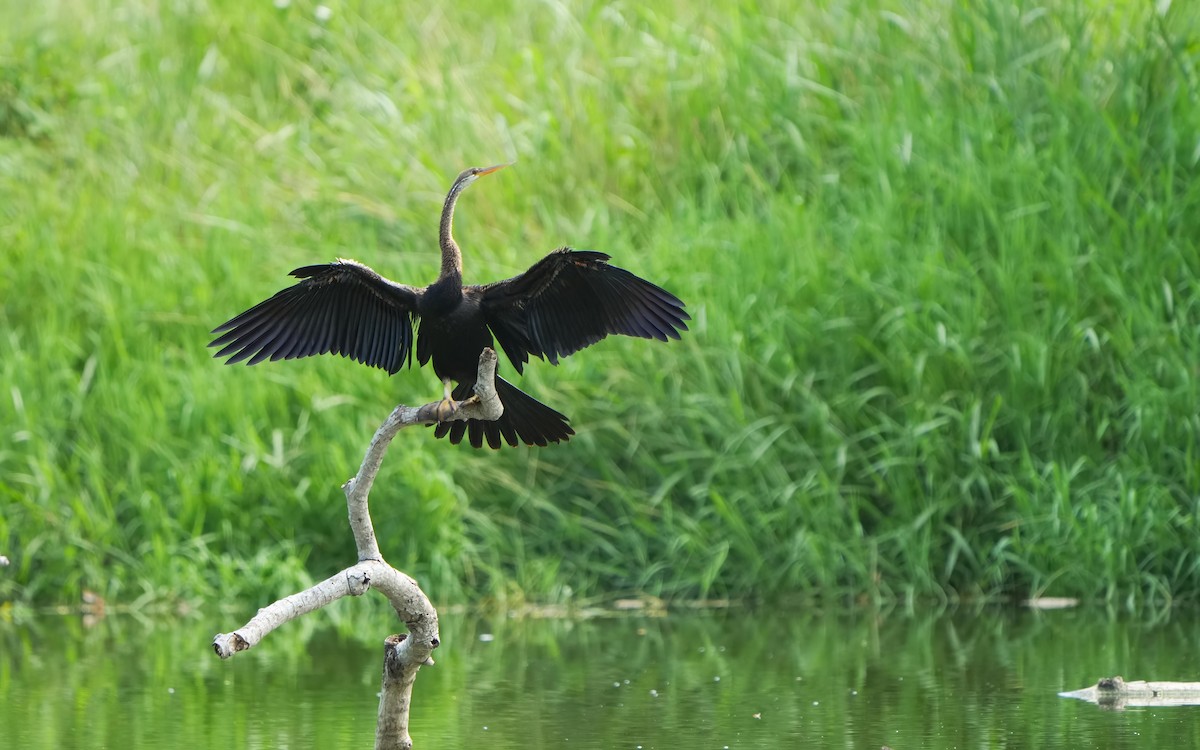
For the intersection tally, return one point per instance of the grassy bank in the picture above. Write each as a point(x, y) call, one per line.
point(941, 257)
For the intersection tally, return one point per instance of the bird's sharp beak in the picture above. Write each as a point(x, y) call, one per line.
point(489, 170)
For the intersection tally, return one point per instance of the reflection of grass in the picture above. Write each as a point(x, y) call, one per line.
point(842, 680)
point(942, 264)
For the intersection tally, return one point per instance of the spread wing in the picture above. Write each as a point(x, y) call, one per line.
point(339, 308)
point(571, 299)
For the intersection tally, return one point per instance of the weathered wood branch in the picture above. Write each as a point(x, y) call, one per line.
point(404, 654)
point(485, 404)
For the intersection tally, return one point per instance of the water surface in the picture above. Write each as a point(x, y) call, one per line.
point(736, 679)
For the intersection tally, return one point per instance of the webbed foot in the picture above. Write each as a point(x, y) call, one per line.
point(446, 408)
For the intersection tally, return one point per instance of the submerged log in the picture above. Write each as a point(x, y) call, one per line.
point(1116, 693)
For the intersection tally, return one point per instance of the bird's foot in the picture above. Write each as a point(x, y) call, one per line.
point(446, 408)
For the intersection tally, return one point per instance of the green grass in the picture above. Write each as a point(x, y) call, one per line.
point(941, 259)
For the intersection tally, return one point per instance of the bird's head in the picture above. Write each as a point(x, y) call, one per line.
point(470, 175)
point(451, 258)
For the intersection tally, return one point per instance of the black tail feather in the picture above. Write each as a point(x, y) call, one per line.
point(525, 419)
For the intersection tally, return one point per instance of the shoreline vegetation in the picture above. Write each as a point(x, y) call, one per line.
point(941, 259)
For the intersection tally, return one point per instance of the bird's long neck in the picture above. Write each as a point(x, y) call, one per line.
point(451, 255)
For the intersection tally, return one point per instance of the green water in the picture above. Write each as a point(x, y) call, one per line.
point(737, 679)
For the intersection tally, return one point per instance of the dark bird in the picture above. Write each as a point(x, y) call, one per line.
point(566, 301)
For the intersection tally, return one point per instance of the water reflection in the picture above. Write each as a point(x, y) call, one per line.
point(740, 679)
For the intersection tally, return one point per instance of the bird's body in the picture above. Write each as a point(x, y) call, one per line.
point(568, 300)
point(453, 330)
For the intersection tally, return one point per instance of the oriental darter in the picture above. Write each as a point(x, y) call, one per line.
point(566, 301)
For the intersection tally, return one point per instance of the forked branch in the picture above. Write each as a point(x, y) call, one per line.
point(404, 654)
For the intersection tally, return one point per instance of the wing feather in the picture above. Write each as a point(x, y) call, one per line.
point(337, 308)
point(570, 300)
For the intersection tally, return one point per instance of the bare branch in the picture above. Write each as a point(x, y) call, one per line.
point(404, 654)
point(485, 404)
point(350, 582)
